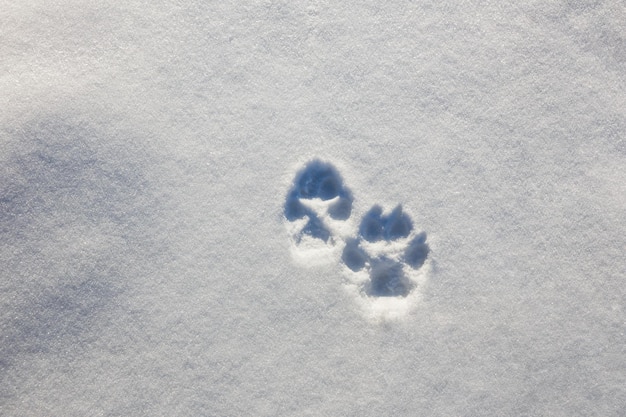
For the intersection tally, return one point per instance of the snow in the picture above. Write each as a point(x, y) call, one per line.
point(148, 263)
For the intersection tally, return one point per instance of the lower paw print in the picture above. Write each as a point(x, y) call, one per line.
point(315, 210)
point(384, 262)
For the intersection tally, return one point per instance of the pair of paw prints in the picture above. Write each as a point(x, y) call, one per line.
point(383, 258)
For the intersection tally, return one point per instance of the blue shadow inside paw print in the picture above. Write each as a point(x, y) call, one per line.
point(353, 256)
point(321, 180)
point(417, 251)
point(375, 226)
point(387, 280)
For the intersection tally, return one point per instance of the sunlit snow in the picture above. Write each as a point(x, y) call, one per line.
point(312, 208)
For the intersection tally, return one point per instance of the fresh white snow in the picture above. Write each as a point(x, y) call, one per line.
point(148, 265)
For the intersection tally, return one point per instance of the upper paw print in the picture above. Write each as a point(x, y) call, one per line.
point(318, 192)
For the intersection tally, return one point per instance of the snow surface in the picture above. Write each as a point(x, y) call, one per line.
point(147, 152)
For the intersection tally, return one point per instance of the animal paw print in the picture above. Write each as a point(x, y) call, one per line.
point(384, 260)
point(388, 250)
point(316, 205)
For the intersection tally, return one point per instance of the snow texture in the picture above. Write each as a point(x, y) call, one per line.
point(313, 208)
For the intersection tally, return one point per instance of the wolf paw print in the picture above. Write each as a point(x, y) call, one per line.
point(317, 204)
point(388, 250)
